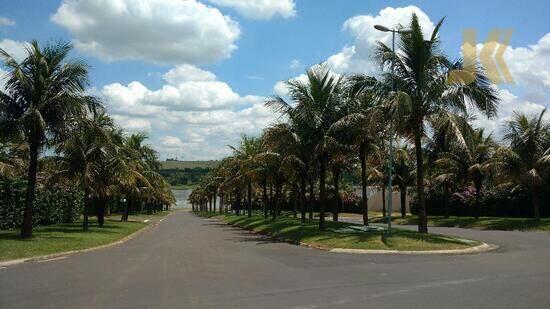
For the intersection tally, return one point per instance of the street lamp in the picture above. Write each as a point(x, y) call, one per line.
point(390, 167)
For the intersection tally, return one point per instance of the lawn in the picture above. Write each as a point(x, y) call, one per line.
point(290, 229)
point(483, 223)
point(184, 187)
point(68, 237)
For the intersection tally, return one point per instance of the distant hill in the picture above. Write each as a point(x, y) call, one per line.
point(170, 165)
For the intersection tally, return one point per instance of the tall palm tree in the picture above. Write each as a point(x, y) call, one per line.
point(317, 103)
point(525, 162)
point(341, 161)
point(469, 161)
point(422, 73)
point(82, 153)
point(138, 160)
point(361, 127)
point(403, 169)
point(42, 93)
point(247, 153)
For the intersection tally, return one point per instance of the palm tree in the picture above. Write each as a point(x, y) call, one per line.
point(42, 93)
point(525, 162)
point(83, 151)
point(246, 153)
point(317, 104)
point(361, 127)
point(341, 161)
point(422, 73)
point(138, 160)
point(469, 160)
point(403, 169)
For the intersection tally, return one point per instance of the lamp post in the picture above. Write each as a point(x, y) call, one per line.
point(390, 163)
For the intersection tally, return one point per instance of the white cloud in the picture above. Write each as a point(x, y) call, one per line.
point(158, 31)
point(260, 9)
point(530, 68)
point(15, 48)
point(295, 64)
point(2, 80)
point(4, 21)
point(357, 58)
point(187, 73)
point(188, 88)
point(192, 116)
point(510, 104)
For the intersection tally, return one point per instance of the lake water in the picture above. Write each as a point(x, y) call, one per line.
point(181, 198)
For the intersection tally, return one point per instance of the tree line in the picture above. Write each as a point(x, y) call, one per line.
point(52, 129)
point(331, 124)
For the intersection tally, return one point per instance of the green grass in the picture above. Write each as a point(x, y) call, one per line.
point(184, 187)
point(60, 238)
point(189, 164)
point(290, 229)
point(483, 223)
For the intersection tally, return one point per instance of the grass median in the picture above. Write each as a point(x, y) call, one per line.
point(59, 238)
point(290, 229)
point(483, 223)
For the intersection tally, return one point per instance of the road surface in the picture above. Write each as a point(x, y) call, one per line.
point(190, 262)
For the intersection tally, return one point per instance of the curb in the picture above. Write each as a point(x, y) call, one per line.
point(39, 258)
point(484, 247)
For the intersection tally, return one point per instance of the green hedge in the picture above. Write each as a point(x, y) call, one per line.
point(52, 205)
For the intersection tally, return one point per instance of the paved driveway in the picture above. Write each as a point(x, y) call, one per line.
point(188, 262)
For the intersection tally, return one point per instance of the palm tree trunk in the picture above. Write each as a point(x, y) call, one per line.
point(271, 197)
point(338, 204)
point(26, 226)
point(214, 197)
point(264, 197)
point(304, 200)
point(238, 202)
point(364, 197)
point(275, 210)
point(447, 201)
point(403, 191)
point(478, 196)
point(422, 218)
point(126, 211)
point(322, 193)
point(311, 198)
point(535, 203)
point(295, 200)
point(249, 198)
point(85, 221)
point(101, 205)
point(384, 201)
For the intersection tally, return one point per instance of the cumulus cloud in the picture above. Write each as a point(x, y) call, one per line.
point(158, 31)
point(510, 104)
point(15, 48)
point(192, 116)
point(260, 9)
point(530, 68)
point(4, 21)
point(357, 58)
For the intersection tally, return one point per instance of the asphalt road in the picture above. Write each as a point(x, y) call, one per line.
point(189, 262)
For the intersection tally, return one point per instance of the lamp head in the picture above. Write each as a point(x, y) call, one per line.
point(381, 28)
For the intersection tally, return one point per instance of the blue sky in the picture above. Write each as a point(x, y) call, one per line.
point(246, 48)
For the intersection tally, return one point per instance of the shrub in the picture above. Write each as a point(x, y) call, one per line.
point(495, 202)
point(52, 205)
